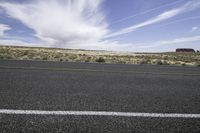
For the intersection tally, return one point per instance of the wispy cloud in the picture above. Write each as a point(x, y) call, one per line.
point(151, 46)
point(181, 40)
point(9, 42)
point(3, 28)
point(195, 29)
point(145, 12)
point(189, 6)
point(61, 23)
point(180, 20)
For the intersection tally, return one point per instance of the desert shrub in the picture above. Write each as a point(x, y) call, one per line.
point(88, 59)
point(165, 57)
point(72, 57)
point(100, 60)
point(37, 58)
point(25, 53)
point(144, 61)
point(44, 58)
point(1, 57)
point(66, 55)
point(121, 62)
point(165, 63)
point(57, 56)
point(198, 64)
point(159, 62)
point(183, 64)
point(61, 60)
point(7, 56)
point(4, 50)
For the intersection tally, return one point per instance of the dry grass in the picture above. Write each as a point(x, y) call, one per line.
point(67, 55)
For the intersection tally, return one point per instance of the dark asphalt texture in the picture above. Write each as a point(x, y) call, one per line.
point(137, 91)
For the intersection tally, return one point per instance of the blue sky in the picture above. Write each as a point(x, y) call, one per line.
point(122, 25)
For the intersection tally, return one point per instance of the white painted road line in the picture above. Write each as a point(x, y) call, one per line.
point(98, 113)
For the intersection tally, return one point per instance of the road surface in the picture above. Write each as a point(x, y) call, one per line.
point(153, 98)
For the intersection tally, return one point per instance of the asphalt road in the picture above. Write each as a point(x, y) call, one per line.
point(57, 86)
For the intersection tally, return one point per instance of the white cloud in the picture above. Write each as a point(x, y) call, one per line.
point(103, 45)
point(148, 47)
point(151, 46)
point(62, 23)
point(189, 6)
point(8, 42)
point(3, 28)
point(195, 29)
point(147, 11)
point(170, 42)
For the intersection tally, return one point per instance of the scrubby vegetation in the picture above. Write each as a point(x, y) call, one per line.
point(100, 60)
point(67, 55)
